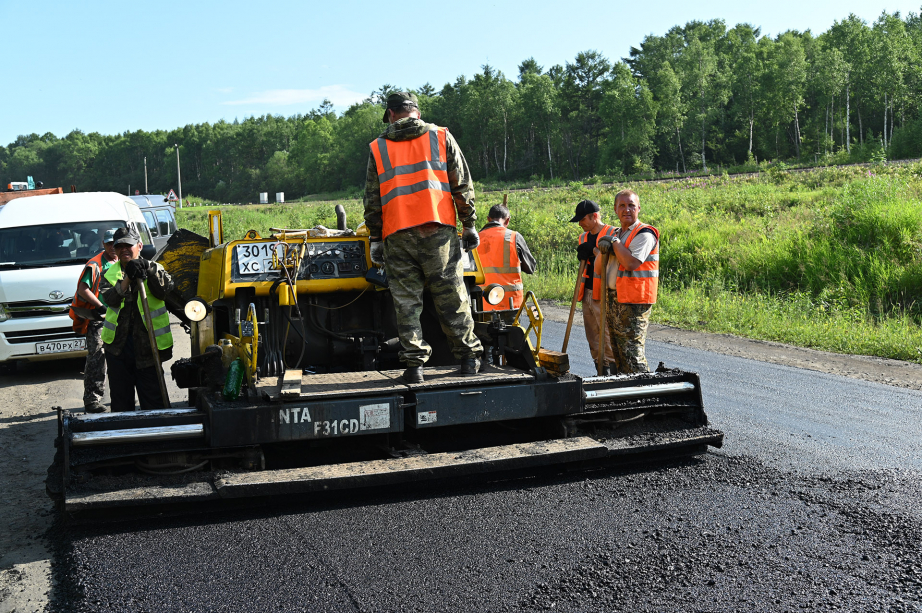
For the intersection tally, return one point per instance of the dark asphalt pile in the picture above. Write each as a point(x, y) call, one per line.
point(720, 533)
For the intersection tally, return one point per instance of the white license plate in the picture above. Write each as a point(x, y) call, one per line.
point(256, 258)
point(74, 344)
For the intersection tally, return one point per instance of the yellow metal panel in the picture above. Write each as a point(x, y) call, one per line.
point(479, 278)
point(313, 286)
point(216, 267)
point(215, 228)
point(212, 279)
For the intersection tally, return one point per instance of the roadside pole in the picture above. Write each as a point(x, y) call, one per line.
point(145, 175)
point(178, 176)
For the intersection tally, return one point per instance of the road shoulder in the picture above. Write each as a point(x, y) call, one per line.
point(877, 370)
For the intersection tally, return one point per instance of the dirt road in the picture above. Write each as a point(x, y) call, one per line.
point(28, 426)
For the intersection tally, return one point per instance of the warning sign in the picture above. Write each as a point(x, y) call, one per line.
point(172, 196)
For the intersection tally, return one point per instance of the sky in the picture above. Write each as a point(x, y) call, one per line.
point(114, 67)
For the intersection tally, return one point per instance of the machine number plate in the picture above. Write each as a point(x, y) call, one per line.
point(75, 344)
point(256, 258)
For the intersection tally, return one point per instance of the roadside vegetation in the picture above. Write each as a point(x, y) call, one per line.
point(829, 259)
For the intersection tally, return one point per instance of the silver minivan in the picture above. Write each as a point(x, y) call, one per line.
point(45, 242)
point(160, 215)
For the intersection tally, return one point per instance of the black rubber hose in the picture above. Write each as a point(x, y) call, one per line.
point(340, 217)
point(346, 336)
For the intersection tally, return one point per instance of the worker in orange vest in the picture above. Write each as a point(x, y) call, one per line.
point(92, 282)
point(504, 256)
point(589, 218)
point(417, 187)
point(633, 279)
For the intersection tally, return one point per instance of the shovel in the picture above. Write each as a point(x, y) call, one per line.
point(579, 279)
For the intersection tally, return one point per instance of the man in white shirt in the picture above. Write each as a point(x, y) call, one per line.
point(633, 279)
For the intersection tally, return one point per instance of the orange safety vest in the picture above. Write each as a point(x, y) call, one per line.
point(413, 178)
point(596, 278)
point(639, 286)
point(95, 266)
point(500, 260)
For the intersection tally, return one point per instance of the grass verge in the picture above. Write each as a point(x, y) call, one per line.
point(829, 259)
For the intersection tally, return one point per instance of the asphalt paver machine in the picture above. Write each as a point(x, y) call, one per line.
point(322, 404)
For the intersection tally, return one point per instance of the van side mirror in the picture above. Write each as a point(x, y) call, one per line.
point(148, 252)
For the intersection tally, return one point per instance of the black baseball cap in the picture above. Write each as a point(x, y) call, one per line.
point(127, 236)
point(585, 207)
point(400, 101)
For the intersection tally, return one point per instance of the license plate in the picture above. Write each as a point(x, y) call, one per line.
point(75, 344)
point(256, 258)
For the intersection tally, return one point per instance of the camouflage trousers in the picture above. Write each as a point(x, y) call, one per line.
point(627, 328)
point(429, 256)
point(94, 373)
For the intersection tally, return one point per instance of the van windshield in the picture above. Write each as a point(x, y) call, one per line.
point(53, 244)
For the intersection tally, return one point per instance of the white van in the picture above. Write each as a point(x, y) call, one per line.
point(45, 242)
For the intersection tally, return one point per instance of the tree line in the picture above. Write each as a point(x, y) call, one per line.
point(699, 96)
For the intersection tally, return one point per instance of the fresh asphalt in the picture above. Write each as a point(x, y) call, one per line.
point(812, 504)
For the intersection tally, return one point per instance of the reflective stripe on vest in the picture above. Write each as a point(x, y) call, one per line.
point(158, 313)
point(413, 179)
point(95, 265)
point(501, 265)
point(640, 286)
point(596, 265)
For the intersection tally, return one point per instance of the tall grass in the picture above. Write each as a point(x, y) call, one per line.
point(830, 259)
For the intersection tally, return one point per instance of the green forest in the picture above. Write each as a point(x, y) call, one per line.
point(700, 98)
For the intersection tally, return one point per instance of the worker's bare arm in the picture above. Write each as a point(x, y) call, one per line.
point(83, 290)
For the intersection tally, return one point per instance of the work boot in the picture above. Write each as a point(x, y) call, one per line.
point(606, 370)
point(469, 366)
point(94, 407)
point(413, 374)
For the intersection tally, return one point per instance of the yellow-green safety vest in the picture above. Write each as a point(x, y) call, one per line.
point(158, 312)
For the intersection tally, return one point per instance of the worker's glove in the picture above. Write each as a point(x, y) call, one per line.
point(99, 313)
point(377, 252)
point(469, 238)
point(138, 269)
point(584, 251)
point(604, 245)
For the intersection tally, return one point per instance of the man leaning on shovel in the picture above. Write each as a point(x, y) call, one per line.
point(129, 354)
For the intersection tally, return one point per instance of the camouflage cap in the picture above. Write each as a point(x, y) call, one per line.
point(127, 236)
point(400, 101)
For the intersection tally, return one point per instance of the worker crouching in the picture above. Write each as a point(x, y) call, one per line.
point(129, 355)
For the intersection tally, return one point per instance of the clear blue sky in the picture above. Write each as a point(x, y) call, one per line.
point(111, 67)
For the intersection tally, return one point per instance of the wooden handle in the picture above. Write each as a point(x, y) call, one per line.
point(579, 280)
point(603, 307)
point(153, 343)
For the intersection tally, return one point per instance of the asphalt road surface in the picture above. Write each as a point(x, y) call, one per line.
point(812, 504)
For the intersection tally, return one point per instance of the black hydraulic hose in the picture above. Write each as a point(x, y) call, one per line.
point(345, 336)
